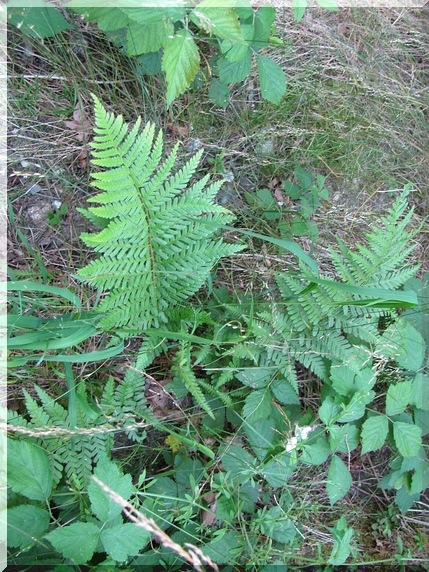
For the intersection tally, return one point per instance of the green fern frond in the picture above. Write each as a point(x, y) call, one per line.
point(157, 249)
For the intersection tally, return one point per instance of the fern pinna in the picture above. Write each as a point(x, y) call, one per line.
point(158, 245)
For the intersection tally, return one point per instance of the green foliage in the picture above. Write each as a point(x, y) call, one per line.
point(157, 249)
point(40, 20)
point(293, 222)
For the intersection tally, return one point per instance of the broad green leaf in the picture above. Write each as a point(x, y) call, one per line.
point(239, 462)
point(142, 39)
point(342, 378)
point(233, 72)
point(405, 344)
point(343, 438)
point(180, 62)
point(234, 52)
point(261, 436)
point(374, 433)
point(104, 508)
point(398, 397)
point(420, 391)
point(150, 64)
point(278, 470)
point(272, 79)
point(421, 419)
point(329, 411)
point(328, 5)
point(153, 13)
point(316, 453)
point(284, 392)
point(342, 536)
point(77, 541)
point(219, 93)
point(264, 19)
point(257, 405)
point(217, 20)
point(277, 526)
point(26, 524)
point(339, 480)
point(39, 19)
point(293, 190)
point(299, 7)
point(29, 470)
point(304, 177)
point(355, 409)
point(420, 478)
point(256, 378)
point(404, 500)
point(124, 540)
point(408, 438)
point(299, 226)
point(108, 19)
point(225, 547)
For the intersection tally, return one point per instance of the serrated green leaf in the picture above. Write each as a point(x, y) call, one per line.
point(343, 438)
point(239, 462)
point(293, 190)
point(398, 397)
point(339, 480)
point(224, 548)
point(256, 378)
point(180, 62)
point(404, 343)
point(277, 526)
point(329, 411)
point(257, 405)
point(233, 72)
point(25, 525)
point(264, 19)
point(420, 392)
point(29, 470)
point(108, 19)
point(278, 470)
point(304, 177)
point(342, 537)
point(142, 39)
point(219, 93)
point(284, 392)
point(420, 479)
point(261, 436)
point(104, 508)
point(299, 7)
point(404, 500)
point(124, 540)
point(272, 79)
point(219, 21)
point(374, 433)
point(40, 20)
point(408, 438)
point(316, 453)
point(77, 541)
point(234, 52)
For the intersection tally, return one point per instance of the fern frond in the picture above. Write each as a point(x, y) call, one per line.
point(158, 247)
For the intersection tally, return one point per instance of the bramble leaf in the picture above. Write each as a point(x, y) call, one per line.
point(374, 433)
point(272, 79)
point(180, 62)
point(408, 438)
point(77, 541)
point(339, 480)
point(29, 470)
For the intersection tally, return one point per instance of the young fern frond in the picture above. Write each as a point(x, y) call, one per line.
point(158, 246)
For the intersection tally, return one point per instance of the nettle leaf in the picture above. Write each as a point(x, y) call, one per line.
point(29, 470)
point(77, 541)
point(124, 540)
point(374, 433)
point(40, 20)
point(180, 62)
point(272, 79)
point(257, 405)
point(233, 72)
point(339, 480)
point(398, 397)
point(408, 438)
point(104, 508)
point(220, 21)
point(26, 523)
